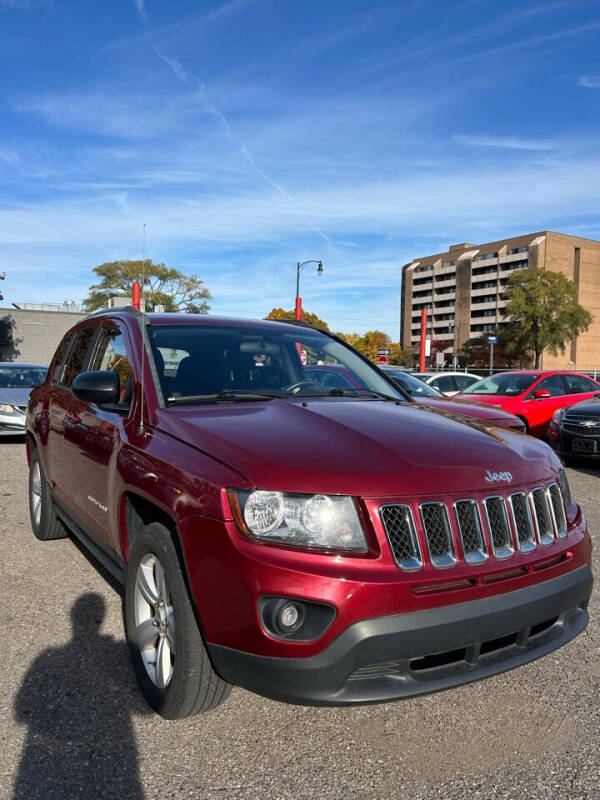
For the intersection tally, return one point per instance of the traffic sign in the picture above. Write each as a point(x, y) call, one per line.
point(383, 351)
point(383, 360)
point(302, 354)
point(492, 340)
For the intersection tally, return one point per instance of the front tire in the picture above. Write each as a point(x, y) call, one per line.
point(168, 653)
point(44, 522)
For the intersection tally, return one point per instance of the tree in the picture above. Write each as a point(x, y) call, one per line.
point(372, 341)
point(544, 305)
point(311, 319)
point(163, 286)
point(511, 350)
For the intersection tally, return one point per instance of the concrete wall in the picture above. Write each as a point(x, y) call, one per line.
point(36, 334)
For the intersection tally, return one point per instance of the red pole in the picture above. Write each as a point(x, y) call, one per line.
point(298, 308)
point(423, 339)
point(136, 295)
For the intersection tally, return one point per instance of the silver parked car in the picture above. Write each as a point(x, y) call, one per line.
point(16, 381)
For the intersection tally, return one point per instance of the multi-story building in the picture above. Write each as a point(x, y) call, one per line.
point(463, 290)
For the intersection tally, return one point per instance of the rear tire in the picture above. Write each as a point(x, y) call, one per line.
point(166, 646)
point(44, 522)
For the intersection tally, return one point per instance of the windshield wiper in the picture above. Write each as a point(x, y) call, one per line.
point(224, 394)
point(362, 393)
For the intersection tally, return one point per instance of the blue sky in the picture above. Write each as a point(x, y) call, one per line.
point(250, 134)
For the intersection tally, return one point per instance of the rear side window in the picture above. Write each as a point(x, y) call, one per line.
point(60, 355)
point(462, 381)
point(577, 384)
point(445, 383)
point(77, 357)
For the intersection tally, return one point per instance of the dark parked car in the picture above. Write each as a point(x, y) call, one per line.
point(575, 431)
point(17, 379)
point(319, 545)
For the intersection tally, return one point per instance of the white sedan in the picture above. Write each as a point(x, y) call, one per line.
point(448, 383)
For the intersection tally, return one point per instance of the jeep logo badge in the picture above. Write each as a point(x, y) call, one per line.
point(493, 477)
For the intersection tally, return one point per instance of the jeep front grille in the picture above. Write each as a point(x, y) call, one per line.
point(438, 534)
point(542, 516)
point(474, 530)
point(522, 521)
point(558, 510)
point(401, 534)
point(499, 529)
point(469, 528)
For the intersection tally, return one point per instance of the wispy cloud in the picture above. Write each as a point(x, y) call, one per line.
point(185, 77)
point(589, 81)
point(25, 5)
point(141, 9)
point(227, 8)
point(504, 142)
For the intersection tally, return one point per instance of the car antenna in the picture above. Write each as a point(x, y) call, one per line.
point(143, 310)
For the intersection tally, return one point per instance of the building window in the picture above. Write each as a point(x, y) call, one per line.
point(514, 250)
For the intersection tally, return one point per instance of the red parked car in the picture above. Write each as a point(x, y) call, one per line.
point(532, 395)
point(316, 545)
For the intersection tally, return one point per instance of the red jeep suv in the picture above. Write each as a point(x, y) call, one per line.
point(317, 545)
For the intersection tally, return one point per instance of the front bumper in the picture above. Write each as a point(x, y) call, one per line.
point(569, 444)
point(12, 426)
point(387, 658)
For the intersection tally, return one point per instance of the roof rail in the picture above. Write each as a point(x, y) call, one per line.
point(123, 310)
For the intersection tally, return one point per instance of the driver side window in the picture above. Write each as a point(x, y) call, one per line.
point(553, 384)
point(111, 354)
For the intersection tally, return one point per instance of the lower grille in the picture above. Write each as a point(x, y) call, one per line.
point(498, 526)
point(438, 535)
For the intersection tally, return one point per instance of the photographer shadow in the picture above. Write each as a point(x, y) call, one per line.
point(77, 702)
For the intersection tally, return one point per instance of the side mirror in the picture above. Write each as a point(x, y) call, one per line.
point(101, 387)
point(541, 394)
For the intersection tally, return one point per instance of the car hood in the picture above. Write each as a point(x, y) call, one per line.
point(358, 447)
point(484, 399)
point(586, 408)
point(483, 411)
point(16, 397)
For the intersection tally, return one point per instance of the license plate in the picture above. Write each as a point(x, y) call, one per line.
point(584, 446)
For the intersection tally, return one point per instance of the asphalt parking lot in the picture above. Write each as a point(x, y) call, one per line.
point(73, 723)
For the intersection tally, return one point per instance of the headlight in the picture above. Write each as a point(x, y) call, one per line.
point(558, 415)
point(11, 411)
point(327, 522)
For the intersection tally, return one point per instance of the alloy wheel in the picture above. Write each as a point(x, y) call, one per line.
point(154, 621)
point(36, 493)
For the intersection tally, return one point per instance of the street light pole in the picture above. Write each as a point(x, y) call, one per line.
point(299, 267)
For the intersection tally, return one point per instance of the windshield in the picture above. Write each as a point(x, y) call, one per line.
point(20, 377)
point(208, 363)
point(507, 384)
point(414, 386)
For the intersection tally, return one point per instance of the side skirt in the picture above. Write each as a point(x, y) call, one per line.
point(112, 566)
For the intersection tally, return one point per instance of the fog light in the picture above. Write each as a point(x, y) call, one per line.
point(296, 620)
point(287, 617)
